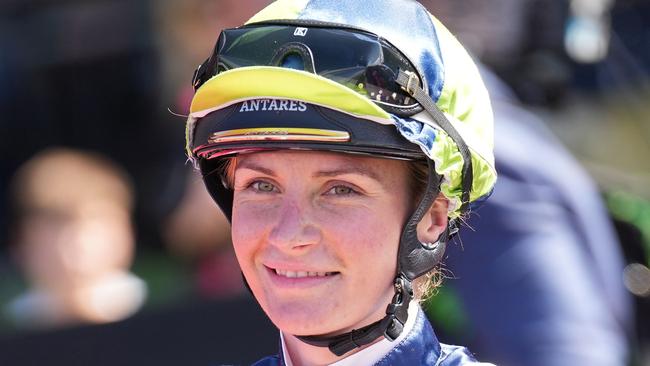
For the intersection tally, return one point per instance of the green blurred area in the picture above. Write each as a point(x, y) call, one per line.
point(632, 209)
point(445, 310)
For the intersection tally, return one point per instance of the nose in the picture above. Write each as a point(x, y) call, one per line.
point(293, 229)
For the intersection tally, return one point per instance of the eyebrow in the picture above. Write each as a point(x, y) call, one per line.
point(360, 170)
point(257, 168)
point(346, 169)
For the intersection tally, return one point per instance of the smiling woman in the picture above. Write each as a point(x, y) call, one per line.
point(296, 213)
point(343, 181)
point(348, 171)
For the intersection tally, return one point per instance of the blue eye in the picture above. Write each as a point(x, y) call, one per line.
point(262, 186)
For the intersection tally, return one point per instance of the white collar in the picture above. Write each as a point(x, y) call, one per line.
point(371, 355)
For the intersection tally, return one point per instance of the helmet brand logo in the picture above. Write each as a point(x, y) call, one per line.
point(300, 31)
point(278, 105)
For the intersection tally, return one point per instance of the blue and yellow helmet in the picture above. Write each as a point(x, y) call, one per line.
point(267, 83)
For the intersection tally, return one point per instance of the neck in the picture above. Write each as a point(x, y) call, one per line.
point(299, 353)
point(303, 354)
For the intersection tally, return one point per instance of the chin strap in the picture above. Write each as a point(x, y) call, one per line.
point(390, 326)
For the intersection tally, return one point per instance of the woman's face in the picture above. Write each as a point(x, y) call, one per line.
point(316, 235)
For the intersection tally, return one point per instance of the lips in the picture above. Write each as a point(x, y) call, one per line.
point(296, 278)
point(301, 274)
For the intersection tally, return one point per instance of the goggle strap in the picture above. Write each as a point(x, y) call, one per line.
point(308, 23)
point(409, 82)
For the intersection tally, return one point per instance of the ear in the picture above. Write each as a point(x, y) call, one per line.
point(434, 222)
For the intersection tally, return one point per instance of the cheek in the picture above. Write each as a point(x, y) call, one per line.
point(242, 231)
point(247, 229)
point(367, 245)
point(367, 237)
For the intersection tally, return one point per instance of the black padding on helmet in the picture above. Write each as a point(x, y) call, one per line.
point(414, 257)
point(215, 184)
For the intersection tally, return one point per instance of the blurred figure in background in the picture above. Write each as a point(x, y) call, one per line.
point(85, 74)
point(196, 230)
point(73, 240)
point(520, 40)
point(549, 289)
point(197, 233)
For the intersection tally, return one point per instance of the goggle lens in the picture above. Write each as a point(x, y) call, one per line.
point(358, 60)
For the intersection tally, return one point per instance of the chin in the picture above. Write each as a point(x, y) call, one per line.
point(303, 318)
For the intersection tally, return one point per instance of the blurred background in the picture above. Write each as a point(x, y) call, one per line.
point(111, 251)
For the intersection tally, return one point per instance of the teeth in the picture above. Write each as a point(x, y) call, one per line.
point(301, 274)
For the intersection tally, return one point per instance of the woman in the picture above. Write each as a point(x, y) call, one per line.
point(343, 163)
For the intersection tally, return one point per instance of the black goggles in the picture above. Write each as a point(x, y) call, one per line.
point(359, 60)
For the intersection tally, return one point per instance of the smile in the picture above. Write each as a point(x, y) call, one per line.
point(301, 274)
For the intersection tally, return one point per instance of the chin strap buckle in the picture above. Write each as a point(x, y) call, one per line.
point(397, 310)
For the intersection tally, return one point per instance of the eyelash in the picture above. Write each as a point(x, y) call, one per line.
point(332, 190)
point(254, 185)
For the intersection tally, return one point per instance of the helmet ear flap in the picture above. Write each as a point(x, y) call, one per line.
point(214, 179)
point(416, 258)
